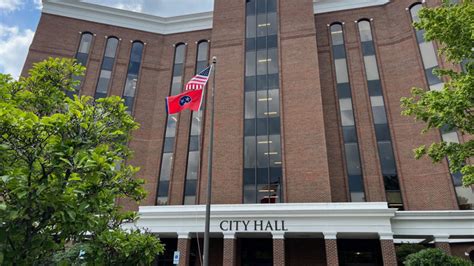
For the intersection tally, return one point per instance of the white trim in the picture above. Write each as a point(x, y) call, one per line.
point(128, 19)
point(168, 25)
point(325, 6)
point(184, 235)
point(278, 235)
point(367, 219)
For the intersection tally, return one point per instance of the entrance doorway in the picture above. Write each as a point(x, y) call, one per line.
point(256, 251)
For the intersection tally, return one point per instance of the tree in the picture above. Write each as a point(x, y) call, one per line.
point(452, 26)
point(62, 168)
point(406, 249)
point(434, 257)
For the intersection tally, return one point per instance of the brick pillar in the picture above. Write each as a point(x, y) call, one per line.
point(278, 249)
point(330, 241)
point(230, 249)
point(388, 249)
point(184, 246)
point(442, 242)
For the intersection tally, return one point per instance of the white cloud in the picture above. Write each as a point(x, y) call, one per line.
point(10, 5)
point(38, 4)
point(14, 45)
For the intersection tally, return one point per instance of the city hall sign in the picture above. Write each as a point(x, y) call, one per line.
point(253, 225)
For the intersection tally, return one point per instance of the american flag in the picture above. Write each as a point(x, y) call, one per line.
point(199, 81)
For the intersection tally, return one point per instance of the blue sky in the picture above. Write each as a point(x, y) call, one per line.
point(19, 19)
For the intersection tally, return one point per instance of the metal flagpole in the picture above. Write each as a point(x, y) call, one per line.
point(209, 169)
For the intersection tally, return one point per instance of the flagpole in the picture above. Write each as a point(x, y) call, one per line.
point(209, 169)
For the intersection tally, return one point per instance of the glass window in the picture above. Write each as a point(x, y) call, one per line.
point(111, 47)
point(364, 31)
point(371, 67)
point(414, 12)
point(379, 115)
point(203, 49)
point(250, 105)
point(250, 152)
point(272, 23)
point(250, 60)
point(272, 61)
point(349, 134)
point(167, 160)
point(428, 55)
point(263, 153)
point(347, 118)
point(341, 71)
point(339, 52)
point(103, 81)
point(336, 34)
point(352, 159)
point(179, 54)
point(386, 158)
point(85, 44)
point(132, 75)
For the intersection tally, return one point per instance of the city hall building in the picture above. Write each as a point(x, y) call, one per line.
point(313, 162)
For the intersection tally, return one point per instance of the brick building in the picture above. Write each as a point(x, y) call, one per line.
point(313, 161)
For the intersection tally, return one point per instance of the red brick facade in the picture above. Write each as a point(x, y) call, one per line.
point(312, 143)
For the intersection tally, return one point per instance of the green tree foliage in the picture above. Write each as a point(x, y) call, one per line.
point(452, 26)
point(62, 167)
point(434, 257)
point(404, 250)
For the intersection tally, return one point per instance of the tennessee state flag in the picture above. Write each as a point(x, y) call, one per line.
point(191, 98)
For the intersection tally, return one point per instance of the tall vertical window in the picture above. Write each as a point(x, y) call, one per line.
point(194, 150)
point(379, 114)
point(106, 68)
point(262, 148)
point(349, 132)
point(170, 131)
point(132, 74)
point(82, 57)
point(430, 61)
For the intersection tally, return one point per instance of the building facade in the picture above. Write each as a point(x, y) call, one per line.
point(313, 161)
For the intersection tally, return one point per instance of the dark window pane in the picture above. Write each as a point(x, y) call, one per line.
point(274, 126)
point(349, 134)
point(250, 194)
point(272, 25)
point(163, 188)
point(251, 26)
point(194, 143)
point(261, 6)
point(177, 70)
point(99, 95)
point(271, 6)
point(352, 159)
point(262, 129)
point(261, 43)
point(273, 81)
point(133, 68)
point(136, 55)
point(368, 48)
point(108, 63)
point(129, 102)
point(276, 174)
point(343, 90)
point(250, 83)
point(250, 105)
point(355, 183)
point(250, 44)
point(249, 176)
point(432, 78)
point(262, 176)
point(262, 82)
point(262, 152)
point(251, 7)
point(249, 129)
point(391, 182)
point(339, 51)
point(82, 58)
point(382, 132)
point(375, 88)
point(387, 160)
point(190, 189)
point(262, 25)
point(169, 145)
point(272, 61)
point(272, 41)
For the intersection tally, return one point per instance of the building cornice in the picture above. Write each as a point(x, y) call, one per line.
point(325, 6)
point(169, 25)
point(128, 19)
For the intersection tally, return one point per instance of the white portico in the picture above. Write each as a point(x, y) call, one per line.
point(328, 221)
